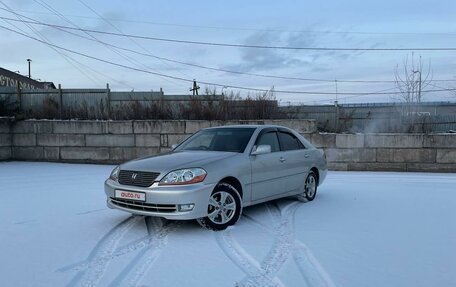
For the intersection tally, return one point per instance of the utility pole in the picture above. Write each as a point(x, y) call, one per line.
point(418, 70)
point(336, 106)
point(335, 81)
point(224, 87)
point(419, 90)
point(195, 88)
point(418, 97)
point(108, 91)
point(29, 73)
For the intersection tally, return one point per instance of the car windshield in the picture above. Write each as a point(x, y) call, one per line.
point(219, 139)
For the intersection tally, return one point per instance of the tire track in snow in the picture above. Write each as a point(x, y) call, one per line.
point(101, 255)
point(150, 249)
point(256, 276)
point(120, 251)
point(309, 267)
point(280, 250)
point(286, 215)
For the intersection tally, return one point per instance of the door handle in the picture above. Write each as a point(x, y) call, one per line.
point(282, 159)
point(306, 155)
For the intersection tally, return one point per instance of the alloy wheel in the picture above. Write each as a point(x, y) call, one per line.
point(310, 187)
point(222, 207)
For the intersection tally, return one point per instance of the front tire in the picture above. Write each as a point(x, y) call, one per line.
point(224, 209)
point(310, 188)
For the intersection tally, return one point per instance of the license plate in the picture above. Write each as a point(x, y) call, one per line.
point(140, 196)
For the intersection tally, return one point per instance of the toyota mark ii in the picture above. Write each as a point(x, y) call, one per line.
point(216, 172)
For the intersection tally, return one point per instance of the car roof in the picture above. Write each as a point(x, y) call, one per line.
point(247, 126)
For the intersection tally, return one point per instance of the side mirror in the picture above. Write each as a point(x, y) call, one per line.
point(262, 149)
point(174, 146)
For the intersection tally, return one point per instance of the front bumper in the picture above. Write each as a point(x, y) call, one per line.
point(161, 199)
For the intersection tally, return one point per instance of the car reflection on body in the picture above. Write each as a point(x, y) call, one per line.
point(216, 172)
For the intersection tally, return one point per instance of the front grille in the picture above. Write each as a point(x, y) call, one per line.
point(142, 206)
point(137, 178)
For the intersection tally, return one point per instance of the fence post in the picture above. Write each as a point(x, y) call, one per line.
point(109, 101)
point(61, 100)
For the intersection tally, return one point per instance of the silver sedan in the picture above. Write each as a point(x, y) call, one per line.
point(216, 172)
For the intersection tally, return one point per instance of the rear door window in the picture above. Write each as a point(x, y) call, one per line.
point(289, 141)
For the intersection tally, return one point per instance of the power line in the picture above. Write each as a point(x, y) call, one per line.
point(250, 28)
point(118, 30)
point(67, 58)
point(148, 54)
point(55, 12)
point(349, 97)
point(440, 87)
point(206, 67)
point(73, 62)
point(231, 45)
point(202, 82)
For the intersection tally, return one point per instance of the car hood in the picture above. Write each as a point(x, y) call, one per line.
point(167, 162)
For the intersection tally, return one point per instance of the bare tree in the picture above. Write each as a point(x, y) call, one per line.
point(412, 79)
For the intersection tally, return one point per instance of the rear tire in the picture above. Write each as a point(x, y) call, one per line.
point(310, 188)
point(224, 209)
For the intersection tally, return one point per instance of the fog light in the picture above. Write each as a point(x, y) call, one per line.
point(186, 207)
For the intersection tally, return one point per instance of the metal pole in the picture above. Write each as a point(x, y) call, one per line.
point(61, 100)
point(336, 105)
point(336, 89)
point(419, 89)
point(418, 96)
point(109, 100)
point(29, 73)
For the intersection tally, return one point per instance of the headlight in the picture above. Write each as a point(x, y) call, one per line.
point(115, 173)
point(184, 176)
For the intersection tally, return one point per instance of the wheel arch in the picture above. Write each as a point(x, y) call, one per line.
point(317, 173)
point(231, 180)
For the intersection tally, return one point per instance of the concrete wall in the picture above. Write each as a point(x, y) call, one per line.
point(5, 140)
point(117, 141)
point(107, 141)
point(389, 152)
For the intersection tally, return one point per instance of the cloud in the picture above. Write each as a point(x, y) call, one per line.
point(309, 60)
point(105, 24)
point(265, 59)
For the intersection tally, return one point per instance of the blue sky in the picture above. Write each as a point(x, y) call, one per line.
point(385, 24)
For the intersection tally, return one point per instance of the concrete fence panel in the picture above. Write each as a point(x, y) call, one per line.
point(6, 140)
point(118, 141)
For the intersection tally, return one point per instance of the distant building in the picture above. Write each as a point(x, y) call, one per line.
point(11, 79)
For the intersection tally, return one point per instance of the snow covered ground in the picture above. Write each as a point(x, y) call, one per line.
point(363, 229)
